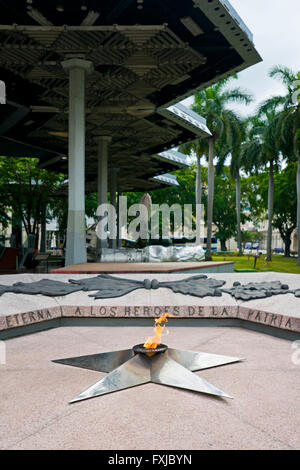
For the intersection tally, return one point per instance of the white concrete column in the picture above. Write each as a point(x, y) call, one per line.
point(76, 236)
point(119, 228)
point(198, 202)
point(102, 182)
point(113, 200)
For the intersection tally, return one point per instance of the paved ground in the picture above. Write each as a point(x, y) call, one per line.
point(34, 410)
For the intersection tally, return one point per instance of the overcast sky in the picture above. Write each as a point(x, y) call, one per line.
point(275, 25)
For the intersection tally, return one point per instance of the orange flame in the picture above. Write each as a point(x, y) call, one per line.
point(160, 323)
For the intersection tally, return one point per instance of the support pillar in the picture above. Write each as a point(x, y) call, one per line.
point(118, 218)
point(76, 233)
point(102, 182)
point(198, 202)
point(119, 228)
point(113, 201)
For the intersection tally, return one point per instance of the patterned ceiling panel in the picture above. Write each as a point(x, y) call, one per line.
point(144, 61)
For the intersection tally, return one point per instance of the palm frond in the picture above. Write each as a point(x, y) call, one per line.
point(237, 95)
point(271, 105)
point(284, 74)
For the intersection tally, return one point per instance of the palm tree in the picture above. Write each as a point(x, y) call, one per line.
point(211, 104)
point(199, 148)
point(289, 125)
point(233, 148)
point(237, 163)
point(261, 150)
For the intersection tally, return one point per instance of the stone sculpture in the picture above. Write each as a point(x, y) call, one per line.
point(107, 286)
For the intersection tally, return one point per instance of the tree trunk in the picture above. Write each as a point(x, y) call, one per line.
point(223, 245)
point(36, 241)
point(238, 211)
point(210, 198)
point(198, 198)
point(286, 236)
point(270, 210)
point(298, 210)
point(287, 246)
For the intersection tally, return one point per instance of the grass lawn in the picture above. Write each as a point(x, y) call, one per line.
point(278, 264)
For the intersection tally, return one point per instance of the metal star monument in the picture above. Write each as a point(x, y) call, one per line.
point(162, 365)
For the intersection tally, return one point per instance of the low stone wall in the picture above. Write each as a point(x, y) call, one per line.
point(262, 317)
point(21, 313)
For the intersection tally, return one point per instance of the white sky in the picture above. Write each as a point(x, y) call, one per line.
point(275, 25)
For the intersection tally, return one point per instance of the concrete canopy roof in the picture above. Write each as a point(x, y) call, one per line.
point(142, 179)
point(168, 179)
point(145, 60)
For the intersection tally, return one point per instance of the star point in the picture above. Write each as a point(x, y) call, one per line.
point(126, 369)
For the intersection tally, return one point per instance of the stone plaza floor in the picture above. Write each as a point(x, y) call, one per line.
point(35, 414)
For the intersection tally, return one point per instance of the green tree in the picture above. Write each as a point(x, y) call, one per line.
point(26, 190)
point(285, 205)
point(262, 150)
point(285, 201)
point(253, 202)
point(224, 198)
point(198, 148)
point(224, 207)
point(251, 236)
point(289, 124)
point(58, 207)
point(224, 210)
point(239, 162)
point(212, 103)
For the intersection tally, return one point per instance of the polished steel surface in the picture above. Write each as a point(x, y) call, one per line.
point(131, 367)
point(199, 360)
point(103, 362)
point(166, 371)
point(134, 372)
